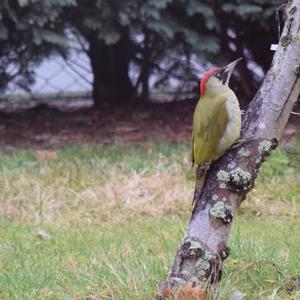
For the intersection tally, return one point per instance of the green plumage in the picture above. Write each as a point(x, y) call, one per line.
point(209, 123)
point(216, 126)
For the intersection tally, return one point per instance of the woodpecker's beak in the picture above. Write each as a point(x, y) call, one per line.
point(228, 70)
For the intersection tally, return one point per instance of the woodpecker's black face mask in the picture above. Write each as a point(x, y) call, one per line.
point(222, 75)
point(227, 71)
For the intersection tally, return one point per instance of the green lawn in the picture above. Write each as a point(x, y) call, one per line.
point(116, 215)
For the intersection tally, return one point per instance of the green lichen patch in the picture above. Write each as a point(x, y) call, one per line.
point(265, 146)
point(194, 245)
point(222, 175)
point(195, 281)
point(222, 211)
point(197, 261)
point(240, 179)
point(204, 265)
point(191, 248)
point(244, 152)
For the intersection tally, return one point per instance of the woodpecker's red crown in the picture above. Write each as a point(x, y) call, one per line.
point(223, 74)
point(205, 77)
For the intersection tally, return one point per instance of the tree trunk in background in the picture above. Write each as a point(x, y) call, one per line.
point(145, 70)
point(200, 257)
point(110, 65)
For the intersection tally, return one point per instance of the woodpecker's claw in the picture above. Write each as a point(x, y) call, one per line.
point(242, 141)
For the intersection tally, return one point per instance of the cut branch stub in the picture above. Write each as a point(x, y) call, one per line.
point(194, 263)
point(197, 259)
point(240, 174)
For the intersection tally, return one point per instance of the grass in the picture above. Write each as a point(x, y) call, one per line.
point(116, 215)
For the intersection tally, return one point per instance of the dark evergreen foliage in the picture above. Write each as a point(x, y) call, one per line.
point(161, 37)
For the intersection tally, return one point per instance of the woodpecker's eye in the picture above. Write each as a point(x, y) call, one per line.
point(218, 75)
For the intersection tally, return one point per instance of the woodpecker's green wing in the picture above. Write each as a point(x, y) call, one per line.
point(209, 123)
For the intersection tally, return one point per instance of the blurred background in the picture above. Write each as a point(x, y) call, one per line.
point(96, 105)
point(116, 51)
point(110, 61)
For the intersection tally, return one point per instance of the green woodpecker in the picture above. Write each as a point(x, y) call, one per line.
point(216, 122)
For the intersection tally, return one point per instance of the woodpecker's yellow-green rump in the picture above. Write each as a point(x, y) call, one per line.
point(216, 122)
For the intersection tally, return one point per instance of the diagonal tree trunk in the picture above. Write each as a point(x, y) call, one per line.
point(204, 248)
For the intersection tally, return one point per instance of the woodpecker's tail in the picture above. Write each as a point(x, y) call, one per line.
point(200, 180)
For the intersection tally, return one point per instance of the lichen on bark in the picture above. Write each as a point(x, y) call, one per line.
point(196, 263)
point(222, 211)
point(265, 146)
point(240, 179)
point(243, 152)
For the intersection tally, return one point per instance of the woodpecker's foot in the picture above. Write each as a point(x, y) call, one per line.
point(240, 142)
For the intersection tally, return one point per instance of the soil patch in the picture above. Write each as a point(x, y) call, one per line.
point(59, 124)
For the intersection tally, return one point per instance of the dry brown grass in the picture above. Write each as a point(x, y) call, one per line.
point(278, 197)
point(66, 189)
point(55, 192)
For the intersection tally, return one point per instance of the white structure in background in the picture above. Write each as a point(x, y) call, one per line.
point(56, 74)
point(57, 78)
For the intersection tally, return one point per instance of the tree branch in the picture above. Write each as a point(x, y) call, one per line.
point(200, 257)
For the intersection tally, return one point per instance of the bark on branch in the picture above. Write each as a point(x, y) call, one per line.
point(204, 248)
